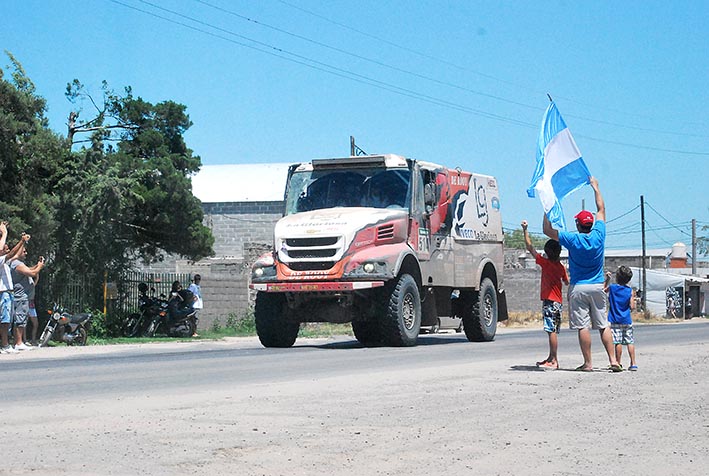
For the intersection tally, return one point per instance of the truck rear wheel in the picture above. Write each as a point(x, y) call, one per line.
point(274, 326)
point(402, 314)
point(480, 313)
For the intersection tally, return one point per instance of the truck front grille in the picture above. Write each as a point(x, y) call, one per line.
point(311, 265)
point(299, 254)
point(311, 254)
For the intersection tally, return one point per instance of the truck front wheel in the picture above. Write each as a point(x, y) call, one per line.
point(366, 332)
point(274, 326)
point(480, 312)
point(402, 315)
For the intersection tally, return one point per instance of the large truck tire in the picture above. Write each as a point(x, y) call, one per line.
point(273, 325)
point(480, 313)
point(366, 332)
point(401, 322)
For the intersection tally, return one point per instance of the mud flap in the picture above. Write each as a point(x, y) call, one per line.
point(502, 314)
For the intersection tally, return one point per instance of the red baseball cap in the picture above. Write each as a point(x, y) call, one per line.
point(584, 218)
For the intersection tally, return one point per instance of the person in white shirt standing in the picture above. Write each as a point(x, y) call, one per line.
point(198, 303)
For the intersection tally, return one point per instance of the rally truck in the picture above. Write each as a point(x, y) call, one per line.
point(386, 243)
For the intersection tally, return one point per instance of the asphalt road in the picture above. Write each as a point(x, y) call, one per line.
point(228, 406)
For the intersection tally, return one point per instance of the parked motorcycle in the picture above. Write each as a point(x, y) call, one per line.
point(174, 318)
point(150, 307)
point(65, 327)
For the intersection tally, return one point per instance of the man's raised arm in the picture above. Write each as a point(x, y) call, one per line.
point(600, 204)
point(549, 229)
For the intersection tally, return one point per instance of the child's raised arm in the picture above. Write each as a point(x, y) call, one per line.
point(528, 240)
point(607, 282)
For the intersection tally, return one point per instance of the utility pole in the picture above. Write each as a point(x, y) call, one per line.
point(644, 272)
point(694, 246)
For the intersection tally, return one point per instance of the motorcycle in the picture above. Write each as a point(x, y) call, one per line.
point(174, 318)
point(150, 307)
point(64, 327)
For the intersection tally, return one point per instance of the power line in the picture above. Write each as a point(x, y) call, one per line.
point(427, 78)
point(666, 220)
point(644, 147)
point(321, 66)
point(469, 70)
point(352, 76)
point(624, 214)
point(370, 60)
point(628, 232)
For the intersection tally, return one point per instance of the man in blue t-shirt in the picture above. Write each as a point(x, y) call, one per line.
point(586, 295)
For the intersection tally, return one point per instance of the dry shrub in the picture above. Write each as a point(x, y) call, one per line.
point(523, 319)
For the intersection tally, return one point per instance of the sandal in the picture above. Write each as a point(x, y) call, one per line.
point(583, 368)
point(548, 365)
point(633, 368)
point(542, 362)
point(616, 368)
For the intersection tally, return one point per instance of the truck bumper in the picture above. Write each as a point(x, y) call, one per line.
point(315, 286)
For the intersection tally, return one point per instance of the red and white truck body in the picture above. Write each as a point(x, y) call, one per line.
point(387, 243)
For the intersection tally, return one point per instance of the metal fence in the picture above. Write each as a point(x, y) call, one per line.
point(116, 296)
point(125, 299)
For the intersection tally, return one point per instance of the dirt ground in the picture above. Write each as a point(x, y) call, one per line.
point(490, 417)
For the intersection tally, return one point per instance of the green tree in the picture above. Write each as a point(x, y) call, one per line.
point(515, 239)
point(30, 159)
point(135, 199)
point(703, 242)
point(116, 190)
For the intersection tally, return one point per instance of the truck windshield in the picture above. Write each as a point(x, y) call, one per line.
point(375, 187)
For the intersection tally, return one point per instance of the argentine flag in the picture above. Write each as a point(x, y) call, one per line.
point(560, 168)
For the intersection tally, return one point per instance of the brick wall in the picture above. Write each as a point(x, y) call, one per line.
point(522, 289)
point(235, 224)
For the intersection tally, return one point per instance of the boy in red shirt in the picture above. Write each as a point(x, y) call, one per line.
point(553, 274)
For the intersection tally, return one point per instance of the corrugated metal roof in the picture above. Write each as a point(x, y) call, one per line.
point(240, 183)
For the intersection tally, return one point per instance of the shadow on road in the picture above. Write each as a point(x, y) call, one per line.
point(527, 368)
point(354, 343)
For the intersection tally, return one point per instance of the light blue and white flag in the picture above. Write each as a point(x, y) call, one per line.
point(560, 168)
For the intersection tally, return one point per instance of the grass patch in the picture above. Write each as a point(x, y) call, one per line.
point(246, 327)
point(324, 329)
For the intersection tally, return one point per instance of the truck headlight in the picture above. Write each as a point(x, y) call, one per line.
point(367, 270)
point(264, 267)
point(261, 272)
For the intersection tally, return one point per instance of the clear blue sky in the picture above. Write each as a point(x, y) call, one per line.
point(461, 83)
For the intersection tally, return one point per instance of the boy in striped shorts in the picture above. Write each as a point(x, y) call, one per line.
point(621, 301)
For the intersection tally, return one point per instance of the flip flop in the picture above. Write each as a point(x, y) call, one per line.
point(583, 368)
point(633, 368)
point(542, 362)
point(548, 365)
point(616, 368)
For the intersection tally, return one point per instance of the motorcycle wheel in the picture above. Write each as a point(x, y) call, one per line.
point(46, 335)
point(81, 337)
point(132, 325)
point(152, 328)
